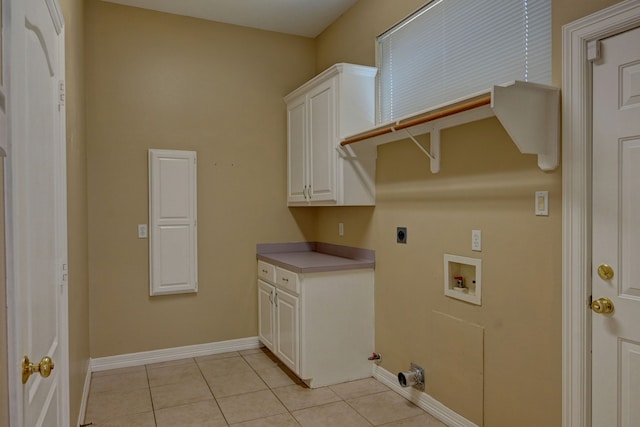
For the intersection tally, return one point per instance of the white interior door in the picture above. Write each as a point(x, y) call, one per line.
point(36, 213)
point(616, 233)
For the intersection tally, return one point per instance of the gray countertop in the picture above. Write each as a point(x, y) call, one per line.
point(314, 257)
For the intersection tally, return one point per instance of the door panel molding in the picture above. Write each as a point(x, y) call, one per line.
point(56, 15)
point(576, 195)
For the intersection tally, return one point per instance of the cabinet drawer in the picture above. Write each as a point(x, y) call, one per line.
point(266, 271)
point(287, 280)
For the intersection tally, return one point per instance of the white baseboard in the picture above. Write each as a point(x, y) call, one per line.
point(85, 395)
point(422, 399)
point(167, 354)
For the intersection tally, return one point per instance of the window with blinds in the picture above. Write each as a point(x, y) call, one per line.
point(451, 49)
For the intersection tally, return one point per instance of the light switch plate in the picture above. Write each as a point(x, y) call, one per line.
point(542, 203)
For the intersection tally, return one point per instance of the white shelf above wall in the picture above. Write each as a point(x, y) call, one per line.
point(529, 112)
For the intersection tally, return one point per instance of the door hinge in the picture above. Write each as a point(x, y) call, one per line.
point(61, 93)
point(593, 50)
point(64, 276)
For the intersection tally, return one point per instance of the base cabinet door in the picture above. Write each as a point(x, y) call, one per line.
point(287, 321)
point(266, 315)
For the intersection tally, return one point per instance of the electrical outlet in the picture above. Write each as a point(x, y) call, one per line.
point(476, 240)
point(142, 231)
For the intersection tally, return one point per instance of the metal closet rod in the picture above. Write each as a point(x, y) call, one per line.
point(479, 102)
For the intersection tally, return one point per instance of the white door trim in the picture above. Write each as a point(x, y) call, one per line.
point(576, 201)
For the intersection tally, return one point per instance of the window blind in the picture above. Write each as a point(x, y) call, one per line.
point(450, 49)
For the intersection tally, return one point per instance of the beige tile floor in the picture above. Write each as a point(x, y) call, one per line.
point(248, 388)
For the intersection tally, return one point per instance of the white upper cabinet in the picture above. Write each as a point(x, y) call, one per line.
point(336, 103)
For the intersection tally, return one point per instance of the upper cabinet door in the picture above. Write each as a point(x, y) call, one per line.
point(322, 143)
point(296, 161)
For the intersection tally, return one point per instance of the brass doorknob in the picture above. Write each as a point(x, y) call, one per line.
point(605, 271)
point(44, 367)
point(602, 306)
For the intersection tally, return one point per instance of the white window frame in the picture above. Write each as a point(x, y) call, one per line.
point(465, 68)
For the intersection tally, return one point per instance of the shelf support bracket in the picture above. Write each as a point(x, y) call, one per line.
point(434, 150)
point(530, 114)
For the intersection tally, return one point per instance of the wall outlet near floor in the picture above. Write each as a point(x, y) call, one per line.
point(142, 231)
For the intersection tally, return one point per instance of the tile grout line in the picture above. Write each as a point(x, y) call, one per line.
point(358, 412)
point(93, 393)
point(153, 408)
point(341, 399)
point(211, 391)
point(268, 386)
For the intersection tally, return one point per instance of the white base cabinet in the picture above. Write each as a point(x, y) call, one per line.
point(320, 325)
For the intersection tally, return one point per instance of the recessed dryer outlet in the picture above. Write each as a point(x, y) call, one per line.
point(463, 278)
point(401, 234)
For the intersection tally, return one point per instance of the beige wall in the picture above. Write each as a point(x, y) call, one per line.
point(498, 364)
point(77, 215)
point(161, 81)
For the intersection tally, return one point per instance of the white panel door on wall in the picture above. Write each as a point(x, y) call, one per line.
point(173, 255)
point(36, 214)
point(616, 233)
